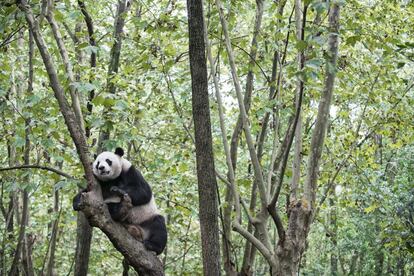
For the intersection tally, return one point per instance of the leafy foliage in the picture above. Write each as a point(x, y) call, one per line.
point(369, 138)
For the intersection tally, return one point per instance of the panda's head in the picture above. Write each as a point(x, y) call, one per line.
point(109, 165)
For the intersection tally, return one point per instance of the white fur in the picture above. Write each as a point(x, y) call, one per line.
point(139, 214)
point(113, 199)
point(125, 165)
point(118, 165)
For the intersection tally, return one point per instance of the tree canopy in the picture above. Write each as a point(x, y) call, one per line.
point(277, 70)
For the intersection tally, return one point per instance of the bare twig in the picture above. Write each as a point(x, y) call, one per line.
point(56, 171)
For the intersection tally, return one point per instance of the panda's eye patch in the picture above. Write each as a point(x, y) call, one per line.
point(109, 162)
point(97, 165)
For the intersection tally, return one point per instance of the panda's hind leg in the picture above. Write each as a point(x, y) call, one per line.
point(135, 231)
point(156, 238)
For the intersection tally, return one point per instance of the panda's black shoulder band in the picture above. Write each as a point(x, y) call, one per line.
point(119, 151)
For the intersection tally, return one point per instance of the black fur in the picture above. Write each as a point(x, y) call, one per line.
point(119, 151)
point(133, 184)
point(158, 234)
point(76, 200)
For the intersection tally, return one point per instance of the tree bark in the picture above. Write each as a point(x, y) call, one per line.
point(297, 157)
point(23, 251)
point(28, 242)
point(207, 184)
point(84, 231)
point(318, 134)
point(122, 9)
point(289, 251)
point(333, 235)
point(92, 42)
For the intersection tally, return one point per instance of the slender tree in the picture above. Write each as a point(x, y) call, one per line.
point(207, 185)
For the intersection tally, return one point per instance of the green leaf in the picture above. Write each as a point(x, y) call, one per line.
point(98, 100)
point(352, 40)
point(301, 45)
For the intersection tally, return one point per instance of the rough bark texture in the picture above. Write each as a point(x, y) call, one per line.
point(232, 195)
point(208, 211)
point(83, 245)
point(289, 250)
point(84, 231)
point(143, 261)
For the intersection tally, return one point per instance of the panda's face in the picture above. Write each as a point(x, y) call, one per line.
point(107, 166)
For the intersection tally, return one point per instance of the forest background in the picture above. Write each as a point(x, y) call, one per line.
point(124, 67)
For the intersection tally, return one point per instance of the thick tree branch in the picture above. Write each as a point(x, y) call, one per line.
point(207, 183)
point(253, 155)
point(143, 261)
point(230, 174)
point(318, 134)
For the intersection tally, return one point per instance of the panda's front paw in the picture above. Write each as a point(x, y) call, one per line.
point(116, 190)
point(77, 201)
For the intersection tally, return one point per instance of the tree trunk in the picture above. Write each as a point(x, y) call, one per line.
point(122, 10)
point(297, 158)
point(28, 239)
point(290, 249)
point(333, 235)
point(83, 230)
point(23, 250)
point(207, 185)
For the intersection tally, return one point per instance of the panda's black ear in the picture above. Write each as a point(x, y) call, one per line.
point(94, 156)
point(119, 151)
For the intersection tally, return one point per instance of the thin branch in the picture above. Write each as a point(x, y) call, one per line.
point(249, 139)
point(56, 171)
point(291, 135)
point(92, 42)
point(176, 106)
point(68, 67)
point(297, 156)
point(113, 67)
point(251, 219)
point(9, 37)
point(231, 176)
point(256, 242)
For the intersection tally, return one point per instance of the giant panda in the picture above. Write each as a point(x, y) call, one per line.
point(129, 199)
